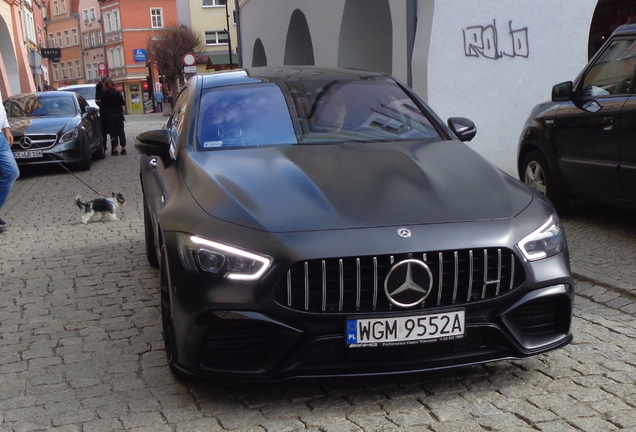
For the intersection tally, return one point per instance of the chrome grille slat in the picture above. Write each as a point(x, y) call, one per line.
point(356, 284)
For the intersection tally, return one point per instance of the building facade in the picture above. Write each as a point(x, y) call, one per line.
point(214, 21)
point(488, 60)
point(129, 25)
point(63, 32)
point(21, 24)
point(92, 40)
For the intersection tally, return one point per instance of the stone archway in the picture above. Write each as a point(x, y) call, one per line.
point(608, 15)
point(366, 36)
point(259, 57)
point(299, 48)
point(9, 74)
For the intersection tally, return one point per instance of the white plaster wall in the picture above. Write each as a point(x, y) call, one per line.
point(496, 94)
point(499, 94)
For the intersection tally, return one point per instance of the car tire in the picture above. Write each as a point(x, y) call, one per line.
point(151, 248)
point(85, 162)
point(100, 153)
point(537, 175)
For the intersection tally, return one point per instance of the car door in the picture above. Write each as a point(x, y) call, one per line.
point(160, 179)
point(627, 146)
point(587, 128)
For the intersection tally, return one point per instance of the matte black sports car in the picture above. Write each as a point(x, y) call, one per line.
point(54, 127)
point(323, 222)
point(581, 144)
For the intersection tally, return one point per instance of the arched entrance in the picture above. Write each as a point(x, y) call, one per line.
point(299, 49)
point(259, 57)
point(9, 75)
point(608, 15)
point(366, 36)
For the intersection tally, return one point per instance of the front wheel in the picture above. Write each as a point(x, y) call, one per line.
point(537, 175)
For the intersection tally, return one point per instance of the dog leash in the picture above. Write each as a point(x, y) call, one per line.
point(73, 174)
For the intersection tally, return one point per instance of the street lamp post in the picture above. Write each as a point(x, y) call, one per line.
point(229, 38)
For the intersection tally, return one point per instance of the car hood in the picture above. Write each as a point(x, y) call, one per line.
point(346, 186)
point(40, 125)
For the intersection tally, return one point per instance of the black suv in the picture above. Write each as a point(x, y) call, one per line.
point(583, 143)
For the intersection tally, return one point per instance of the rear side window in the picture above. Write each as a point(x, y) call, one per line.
point(244, 116)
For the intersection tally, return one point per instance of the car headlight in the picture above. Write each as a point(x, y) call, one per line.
point(200, 255)
point(69, 136)
point(546, 241)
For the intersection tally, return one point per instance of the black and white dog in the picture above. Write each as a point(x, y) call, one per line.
point(105, 206)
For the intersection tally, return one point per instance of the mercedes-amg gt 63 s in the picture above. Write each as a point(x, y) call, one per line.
point(325, 222)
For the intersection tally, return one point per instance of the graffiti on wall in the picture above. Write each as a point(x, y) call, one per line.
point(484, 41)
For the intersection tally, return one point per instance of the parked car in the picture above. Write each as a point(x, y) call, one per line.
point(86, 90)
point(54, 127)
point(581, 144)
point(325, 222)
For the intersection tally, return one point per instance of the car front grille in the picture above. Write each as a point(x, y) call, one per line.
point(33, 142)
point(356, 284)
point(543, 317)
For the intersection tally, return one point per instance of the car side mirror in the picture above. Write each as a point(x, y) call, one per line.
point(463, 128)
point(154, 143)
point(562, 92)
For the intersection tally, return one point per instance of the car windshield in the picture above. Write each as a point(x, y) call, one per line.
point(309, 112)
point(36, 106)
point(86, 92)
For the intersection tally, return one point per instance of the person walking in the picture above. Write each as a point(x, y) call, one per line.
point(159, 100)
point(111, 111)
point(9, 171)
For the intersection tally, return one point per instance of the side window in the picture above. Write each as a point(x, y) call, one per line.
point(613, 71)
point(82, 103)
point(175, 123)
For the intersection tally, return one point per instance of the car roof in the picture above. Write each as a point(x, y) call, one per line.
point(624, 30)
point(44, 95)
point(285, 73)
point(74, 86)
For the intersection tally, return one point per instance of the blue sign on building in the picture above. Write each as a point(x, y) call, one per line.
point(140, 56)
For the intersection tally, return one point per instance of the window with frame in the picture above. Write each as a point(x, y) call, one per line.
point(216, 37)
point(116, 23)
point(51, 40)
point(63, 3)
point(86, 40)
point(78, 68)
point(89, 71)
point(56, 72)
point(63, 67)
point(613, 71)
point(56, 7)
point(74, 34)
point(100, 39)
point(93, 39)
point(59, 39)
point(108, 22)
point(85, 13)
point(214, 2)
point(67, 38)
point(70, 70)
point(156, 17)
point(93, 15)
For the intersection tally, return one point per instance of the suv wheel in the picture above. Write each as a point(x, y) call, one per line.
point(537, 175)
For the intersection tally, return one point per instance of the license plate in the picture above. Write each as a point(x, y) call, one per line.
point(406, 330)
point(27, 154)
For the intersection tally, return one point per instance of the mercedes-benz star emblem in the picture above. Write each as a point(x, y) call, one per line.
point(404, 232)
point(408, 283)
point(25, 142)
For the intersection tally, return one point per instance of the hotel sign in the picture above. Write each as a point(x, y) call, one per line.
point(51, 52)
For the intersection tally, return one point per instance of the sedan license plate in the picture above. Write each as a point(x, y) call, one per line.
point(406, 330)
point(26, 154)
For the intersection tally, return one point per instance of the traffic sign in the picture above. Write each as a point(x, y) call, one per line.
point(190, 69)
point(189, 59)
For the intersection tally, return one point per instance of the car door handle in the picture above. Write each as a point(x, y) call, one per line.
point(153, 162)
point(608, 123)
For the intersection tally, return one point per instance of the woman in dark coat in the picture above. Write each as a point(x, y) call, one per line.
point(111, 111)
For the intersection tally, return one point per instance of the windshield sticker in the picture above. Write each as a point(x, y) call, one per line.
point(212, 144)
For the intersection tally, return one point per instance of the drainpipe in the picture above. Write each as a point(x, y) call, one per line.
point(411, 31)
point(239, 44)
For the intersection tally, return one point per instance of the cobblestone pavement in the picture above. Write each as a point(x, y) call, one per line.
point(81, 347)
